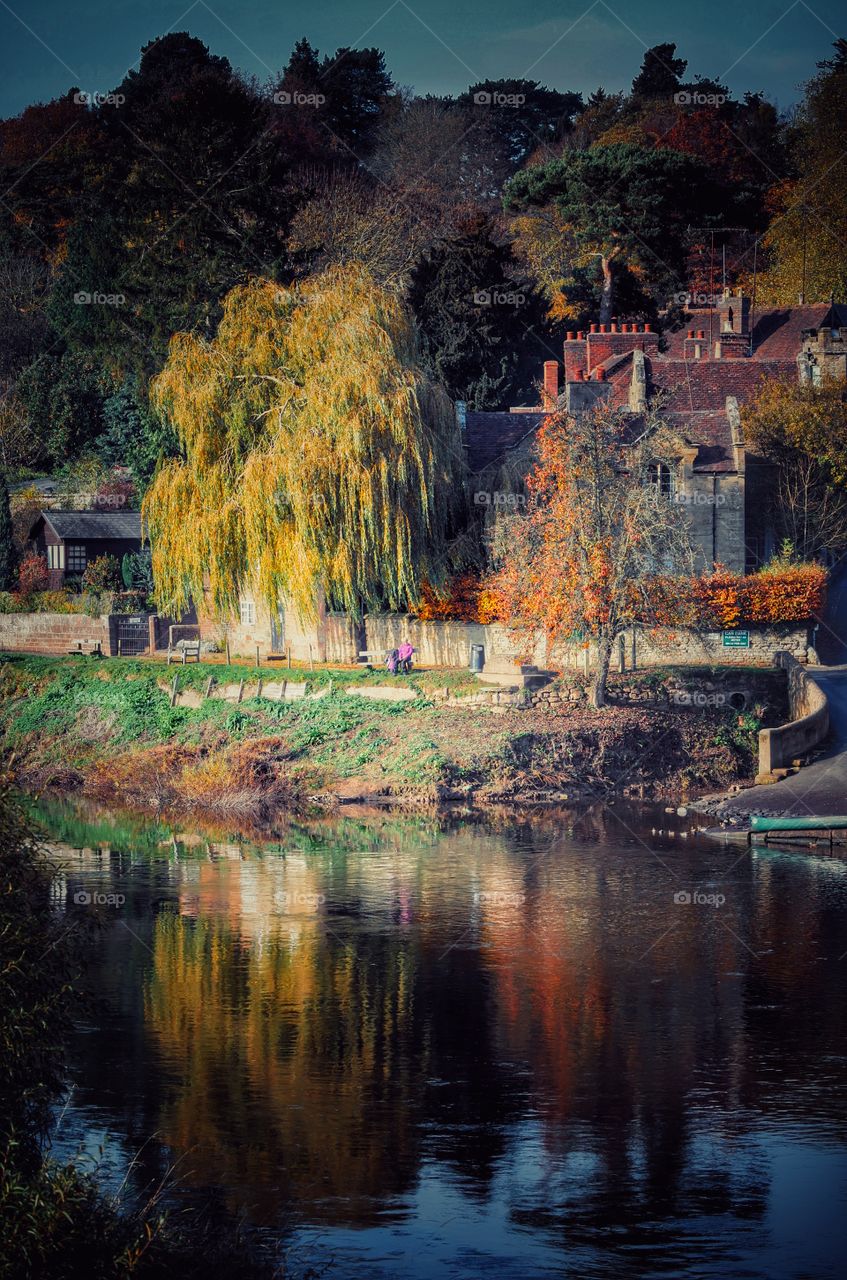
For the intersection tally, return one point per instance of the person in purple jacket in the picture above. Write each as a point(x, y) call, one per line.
point(404, 654)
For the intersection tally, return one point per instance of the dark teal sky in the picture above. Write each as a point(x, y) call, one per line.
point(433, 45)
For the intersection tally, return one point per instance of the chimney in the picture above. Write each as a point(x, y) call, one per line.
point(550, 394)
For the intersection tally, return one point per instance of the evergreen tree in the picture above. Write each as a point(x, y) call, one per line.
point(481, 328)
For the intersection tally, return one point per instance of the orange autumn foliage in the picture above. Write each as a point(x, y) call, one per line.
point(723, 600)
point(465, 598)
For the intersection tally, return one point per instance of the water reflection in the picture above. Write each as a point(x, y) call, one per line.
point(486, 1044)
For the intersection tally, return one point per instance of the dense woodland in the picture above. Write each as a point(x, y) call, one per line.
point(187, 179)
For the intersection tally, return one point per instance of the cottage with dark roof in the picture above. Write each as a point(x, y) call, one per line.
point(70, 540)
point(697, 378)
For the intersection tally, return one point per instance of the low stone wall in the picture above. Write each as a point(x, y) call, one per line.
point(667, 647)
point(447, 644)
point(439, 644)
point(52, 633)
point(809, 724)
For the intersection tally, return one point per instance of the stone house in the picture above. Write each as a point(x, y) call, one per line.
point(698, 378)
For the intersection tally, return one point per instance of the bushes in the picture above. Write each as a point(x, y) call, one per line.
point(465, 598)
point(32, 574)
point(777, 594)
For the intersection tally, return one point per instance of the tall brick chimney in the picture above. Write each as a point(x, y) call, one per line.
point(588, 350)
point(550, 393)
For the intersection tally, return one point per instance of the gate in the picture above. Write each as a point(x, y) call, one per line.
point(131, 634)
point(278, 632)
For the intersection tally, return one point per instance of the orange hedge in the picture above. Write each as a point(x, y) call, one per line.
point(465, 598)
point(723, 600)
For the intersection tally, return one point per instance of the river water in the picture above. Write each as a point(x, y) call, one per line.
point(564, 1045)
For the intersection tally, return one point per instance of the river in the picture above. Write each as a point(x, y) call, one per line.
point(558, 1045)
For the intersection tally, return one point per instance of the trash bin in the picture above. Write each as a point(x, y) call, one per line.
point(477, 657)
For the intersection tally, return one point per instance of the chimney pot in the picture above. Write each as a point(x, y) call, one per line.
point(701, 333)
point(600, 373)
point(580, 334)
point(604, 328)
point(571, 335)
point(579, 375)
point(691, 333)
point(594, 328)
point(613, 328)
point(648, 328)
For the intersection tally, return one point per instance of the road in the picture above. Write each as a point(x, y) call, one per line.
point(819, 790)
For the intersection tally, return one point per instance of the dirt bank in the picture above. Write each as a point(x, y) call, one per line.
point(107, 730)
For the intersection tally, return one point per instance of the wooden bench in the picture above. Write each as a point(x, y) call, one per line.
point(188, 649)
point(95, 651)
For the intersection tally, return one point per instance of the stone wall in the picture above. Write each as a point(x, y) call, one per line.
point(52, 633)
point(809, 724)
point(679, 648)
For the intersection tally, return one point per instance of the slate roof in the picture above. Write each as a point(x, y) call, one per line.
point(488, 436)
point(693, 392)
point(91, 526)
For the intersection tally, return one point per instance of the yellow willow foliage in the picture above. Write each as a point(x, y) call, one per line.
point(317, 454)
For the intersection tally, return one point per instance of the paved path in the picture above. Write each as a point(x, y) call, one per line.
point(819, 790)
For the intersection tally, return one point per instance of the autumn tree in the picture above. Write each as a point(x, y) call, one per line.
point(803, 430)
point(627, 208)
point(580, 558)
point(317, 455)
point(808, 232)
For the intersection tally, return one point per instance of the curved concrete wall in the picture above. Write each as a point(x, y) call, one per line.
point(809, 724)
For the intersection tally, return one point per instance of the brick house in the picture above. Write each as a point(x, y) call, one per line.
point(70, 540)
point(698, 378)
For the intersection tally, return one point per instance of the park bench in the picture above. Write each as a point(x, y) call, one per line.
point(188, 649)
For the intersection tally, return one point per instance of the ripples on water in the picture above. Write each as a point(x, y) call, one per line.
point(423, 1050)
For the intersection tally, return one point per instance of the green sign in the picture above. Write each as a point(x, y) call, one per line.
point(736, 639)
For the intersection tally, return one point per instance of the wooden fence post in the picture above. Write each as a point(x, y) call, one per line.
point(209, 684)
point(227, 651)
point(174, 689)
point(257, 655)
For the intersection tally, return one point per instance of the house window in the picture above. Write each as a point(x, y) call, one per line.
point(248, 613)
point(55, 557)
point(76, 557)
point(662, 477)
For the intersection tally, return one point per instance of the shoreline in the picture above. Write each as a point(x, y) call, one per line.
point(108, 731)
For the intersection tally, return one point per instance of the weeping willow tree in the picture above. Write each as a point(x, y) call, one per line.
point(317, 456)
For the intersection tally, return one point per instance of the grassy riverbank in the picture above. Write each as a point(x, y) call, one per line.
point(106, 729)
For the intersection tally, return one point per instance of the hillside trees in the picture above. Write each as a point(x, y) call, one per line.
point(627, 207)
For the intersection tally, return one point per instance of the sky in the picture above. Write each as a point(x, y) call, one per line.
point(433, 46)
